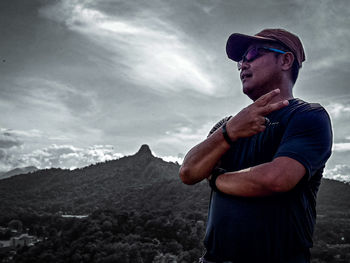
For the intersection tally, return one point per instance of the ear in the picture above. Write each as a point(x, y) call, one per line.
point(287, 60)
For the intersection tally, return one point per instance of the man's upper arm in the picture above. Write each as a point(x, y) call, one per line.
point(307, 140)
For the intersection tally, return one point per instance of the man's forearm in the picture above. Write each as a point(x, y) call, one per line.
point(201, 159)
point(280, 175)
point(249, 182)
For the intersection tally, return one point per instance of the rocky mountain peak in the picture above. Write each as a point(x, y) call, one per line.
point(144, 150)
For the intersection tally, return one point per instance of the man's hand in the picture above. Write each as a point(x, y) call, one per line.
point(251, 120)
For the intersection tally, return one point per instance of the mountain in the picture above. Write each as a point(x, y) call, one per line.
point(140, 181)
point(16, 171)
point(333, 194)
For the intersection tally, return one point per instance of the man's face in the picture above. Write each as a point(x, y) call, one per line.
point(260, 75)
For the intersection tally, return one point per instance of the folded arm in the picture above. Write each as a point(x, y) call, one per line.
point(280, 175)
point(201, 159)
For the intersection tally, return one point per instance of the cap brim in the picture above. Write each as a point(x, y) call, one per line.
point(238, 43)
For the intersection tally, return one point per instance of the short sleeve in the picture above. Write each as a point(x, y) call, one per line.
point(218, 125)
point(308, 139)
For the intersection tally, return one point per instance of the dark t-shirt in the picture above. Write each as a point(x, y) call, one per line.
point(272, 229)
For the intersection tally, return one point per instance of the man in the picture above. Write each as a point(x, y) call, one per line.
point(265, 164)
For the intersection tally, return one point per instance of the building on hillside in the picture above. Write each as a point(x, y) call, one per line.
point(23, 240)
point(5, 243)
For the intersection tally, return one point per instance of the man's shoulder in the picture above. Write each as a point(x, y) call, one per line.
point(301, 109)
point(305, 114)
point(300, 105)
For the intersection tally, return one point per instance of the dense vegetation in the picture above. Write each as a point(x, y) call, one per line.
point(138, 212)
point(115, 236)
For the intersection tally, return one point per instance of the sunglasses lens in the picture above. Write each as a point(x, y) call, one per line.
point(251, 54)
point(248, 56)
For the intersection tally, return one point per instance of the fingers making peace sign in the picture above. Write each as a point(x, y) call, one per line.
point(251, 120)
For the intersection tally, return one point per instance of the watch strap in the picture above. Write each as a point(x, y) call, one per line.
point(225, 134)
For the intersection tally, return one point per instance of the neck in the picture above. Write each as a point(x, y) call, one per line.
point(286, 88)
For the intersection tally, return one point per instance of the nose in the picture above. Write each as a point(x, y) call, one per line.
point(244, 65)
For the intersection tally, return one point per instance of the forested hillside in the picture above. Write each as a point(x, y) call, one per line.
point(138, 211)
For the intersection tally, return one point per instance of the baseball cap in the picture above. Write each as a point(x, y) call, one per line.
point(238, 43)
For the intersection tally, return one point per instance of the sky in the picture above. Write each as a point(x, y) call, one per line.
point(88, 81)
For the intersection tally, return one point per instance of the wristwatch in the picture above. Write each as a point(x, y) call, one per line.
point(225, 134)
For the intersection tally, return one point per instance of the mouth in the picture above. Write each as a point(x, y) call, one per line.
point(245, 75)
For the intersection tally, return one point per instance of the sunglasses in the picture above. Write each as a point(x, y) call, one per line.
point(253, 53)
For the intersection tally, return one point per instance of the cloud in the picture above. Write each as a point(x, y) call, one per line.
point(151, 52)
point(9, 158)
point(8, 141)
point(340, 172)
point(338, 110)
point(63, 156)
point(68, 156)
point(341, 147)
point(180, 139)
point(334, 32)
point(53, 95)
point(11, 144)
point(173, 159)
point(186, 134)
point(33, 133)
point(15, 152)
